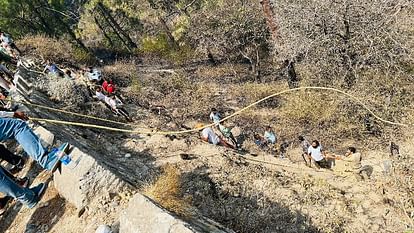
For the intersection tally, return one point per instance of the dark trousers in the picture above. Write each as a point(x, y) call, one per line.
point(8, 156)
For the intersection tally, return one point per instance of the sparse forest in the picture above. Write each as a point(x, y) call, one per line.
point(174, 60)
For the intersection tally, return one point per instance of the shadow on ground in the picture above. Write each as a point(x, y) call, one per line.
point(44, 218)
point(14, 209)
point(243, 211)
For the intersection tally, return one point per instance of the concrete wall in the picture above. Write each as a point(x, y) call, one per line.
point(83, 179)
point(144, 216)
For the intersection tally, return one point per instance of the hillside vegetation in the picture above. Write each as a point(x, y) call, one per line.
point(174, 60)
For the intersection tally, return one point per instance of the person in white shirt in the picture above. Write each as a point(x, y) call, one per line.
point(316, 153)
point(113, 103)
point(208, 135)
point(6, 40)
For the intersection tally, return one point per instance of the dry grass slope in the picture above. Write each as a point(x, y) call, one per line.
point(166, 191)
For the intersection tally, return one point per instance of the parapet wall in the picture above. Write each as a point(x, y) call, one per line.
point(84, 178)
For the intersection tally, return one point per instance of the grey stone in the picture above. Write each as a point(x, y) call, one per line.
point(83, 179)
point(143, 216)
point(103, 229)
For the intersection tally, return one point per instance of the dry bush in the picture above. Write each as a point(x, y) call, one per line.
point(340, 40)
point(166, 191)
point(400, 182)
point(252, 92)
point(57, 51)
point(64, 90)
point(309, 107)
point(218, 71)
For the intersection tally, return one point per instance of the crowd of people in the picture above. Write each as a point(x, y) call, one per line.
point(313, 154)
point(102, 89)
point(13, 126)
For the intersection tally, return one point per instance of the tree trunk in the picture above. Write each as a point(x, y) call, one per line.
point(103, 31)
point(67, 28)
point(49, 31)
point(105, 16)
point(167, 31)
point(348, 57)
point(270, 21)
point(116, 27)
point(293, 81)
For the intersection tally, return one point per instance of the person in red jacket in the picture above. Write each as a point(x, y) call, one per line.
point(108, 86)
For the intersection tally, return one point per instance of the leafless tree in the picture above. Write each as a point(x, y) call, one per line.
point(341, 39)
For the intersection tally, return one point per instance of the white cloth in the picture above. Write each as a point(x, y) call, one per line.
point(111, 102)
point(6, 39)
point(210, 135)
point(6, 114)
point(94, 75)
point(315, 153)
point(100, 96)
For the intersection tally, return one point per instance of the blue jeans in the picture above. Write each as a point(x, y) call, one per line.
point(11, 128)
point(10, 188)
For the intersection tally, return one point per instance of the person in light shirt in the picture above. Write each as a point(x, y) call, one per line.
point(269, 138)
point(316, 153)
point(208, 135)
point(215, 117)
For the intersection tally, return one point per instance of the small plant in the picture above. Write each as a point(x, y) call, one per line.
point(83, 57)
point(160, 46)
point(136, 86)
point(65, 90)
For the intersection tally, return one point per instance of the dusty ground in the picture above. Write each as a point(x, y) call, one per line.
point(54, 214)
point(249, 192)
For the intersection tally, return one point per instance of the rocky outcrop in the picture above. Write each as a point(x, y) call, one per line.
point(144, 216)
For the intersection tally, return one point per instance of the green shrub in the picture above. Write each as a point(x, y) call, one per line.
point(160, 46)
point(136, 85)
point(83, 57)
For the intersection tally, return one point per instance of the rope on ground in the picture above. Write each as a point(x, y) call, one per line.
point(355, 99)
point(72, 113)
